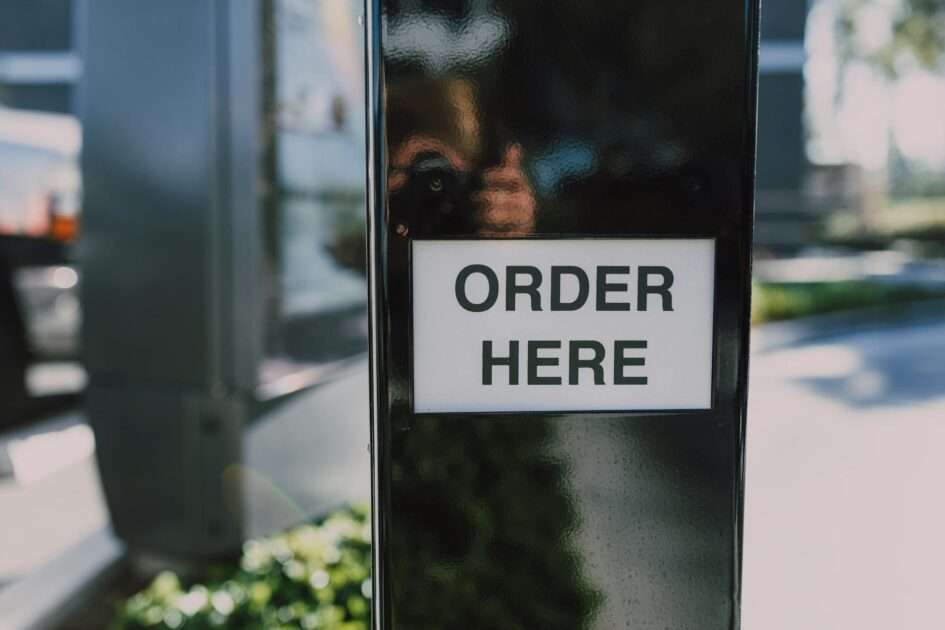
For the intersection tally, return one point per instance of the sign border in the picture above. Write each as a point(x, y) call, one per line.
point(716, 358)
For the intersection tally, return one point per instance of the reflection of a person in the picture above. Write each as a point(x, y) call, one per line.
point(481, 515)
point(441, 122)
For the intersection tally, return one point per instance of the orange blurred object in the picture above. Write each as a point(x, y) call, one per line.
point(63, 228)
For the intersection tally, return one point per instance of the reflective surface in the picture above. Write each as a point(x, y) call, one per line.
point(497, 119)
point(314, 212)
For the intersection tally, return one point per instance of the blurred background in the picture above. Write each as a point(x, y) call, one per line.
point(183, 327)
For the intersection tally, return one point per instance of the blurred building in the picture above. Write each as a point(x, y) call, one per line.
point(783, 216)
point(39, 60)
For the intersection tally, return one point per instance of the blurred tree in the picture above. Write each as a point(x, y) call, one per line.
point(893, 36)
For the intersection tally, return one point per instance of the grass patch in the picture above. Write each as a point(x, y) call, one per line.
point(777, 302)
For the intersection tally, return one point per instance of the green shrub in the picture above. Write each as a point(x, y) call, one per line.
point(314, 576)
point(781, 301)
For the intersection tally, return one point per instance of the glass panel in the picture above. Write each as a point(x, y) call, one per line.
point(315, 220)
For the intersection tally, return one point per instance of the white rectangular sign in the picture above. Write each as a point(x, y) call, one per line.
point(562, 325)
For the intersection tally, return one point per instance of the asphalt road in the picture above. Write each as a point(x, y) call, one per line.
point(845, 501)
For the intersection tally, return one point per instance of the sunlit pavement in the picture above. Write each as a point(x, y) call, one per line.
point(846, 483)
point(845, 501)
point(50, 497)
point(304, 458)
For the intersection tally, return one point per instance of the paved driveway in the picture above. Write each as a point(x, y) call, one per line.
point(845, 517)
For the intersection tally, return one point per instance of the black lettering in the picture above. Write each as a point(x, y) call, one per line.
point(512, 288)
point(583, 288)
point(534, 362)
point(644, 288)
point(491, 297)
point(604, 287)
point(594, 363)
point(621, 361)
point(489, 361)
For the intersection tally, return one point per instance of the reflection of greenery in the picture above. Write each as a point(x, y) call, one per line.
point(314, 576)
point(773, 302)
point(480, 523)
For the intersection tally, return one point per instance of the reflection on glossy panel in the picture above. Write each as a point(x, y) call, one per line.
point(313, 215)
point(516, 119)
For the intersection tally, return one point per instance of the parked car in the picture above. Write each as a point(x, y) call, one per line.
point(40, 192)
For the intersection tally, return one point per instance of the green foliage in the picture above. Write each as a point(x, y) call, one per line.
point(314, 576)
point(776, 301)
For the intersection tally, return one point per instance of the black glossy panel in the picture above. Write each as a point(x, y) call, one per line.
point(516, 118)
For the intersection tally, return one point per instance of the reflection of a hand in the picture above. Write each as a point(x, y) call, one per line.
point(506, 204)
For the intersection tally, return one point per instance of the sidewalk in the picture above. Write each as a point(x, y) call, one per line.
point(843, 514)
point(302, 458)
point(50, 495)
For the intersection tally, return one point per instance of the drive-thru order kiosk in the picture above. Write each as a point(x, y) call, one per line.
point(560, 222)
